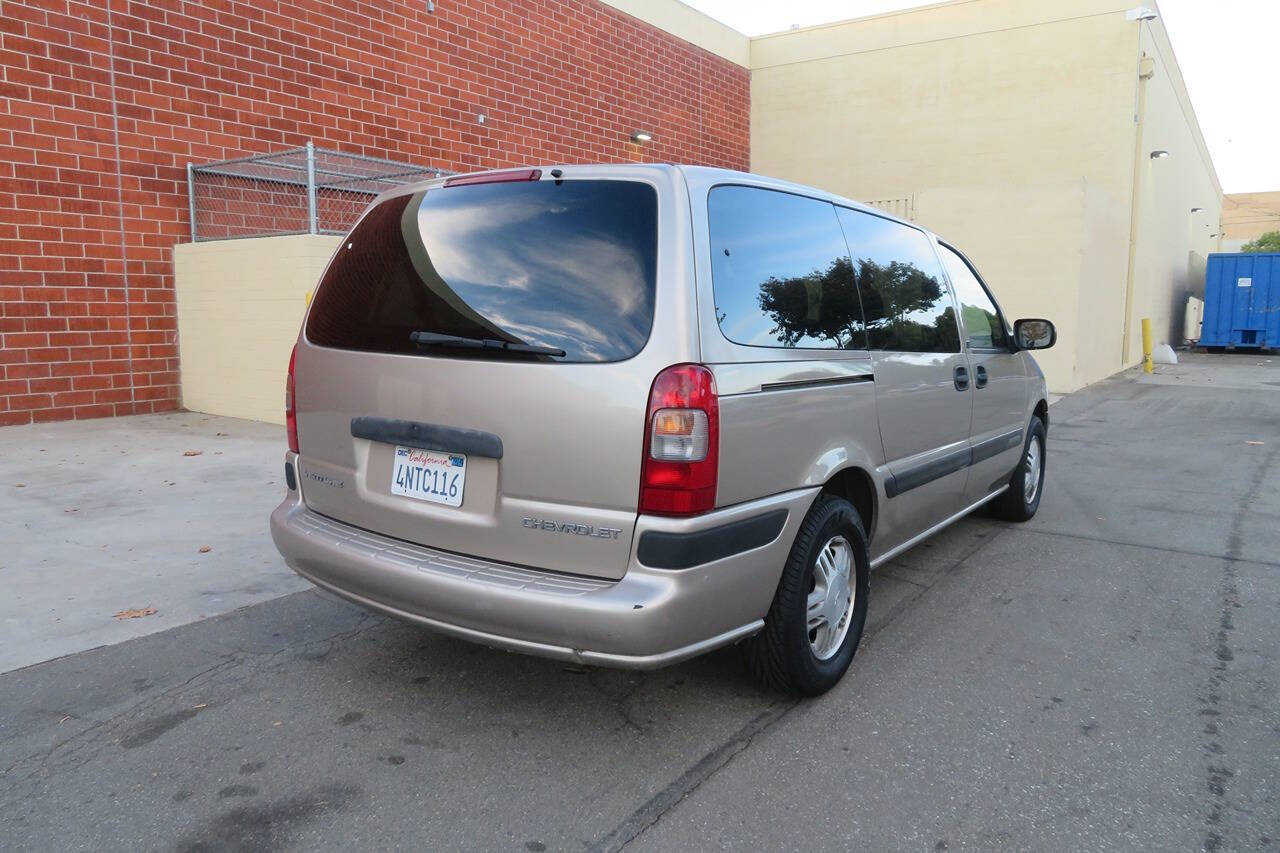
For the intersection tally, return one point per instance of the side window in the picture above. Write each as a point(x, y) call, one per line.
point(780, 271)
point(904, 293)
point(982, 321)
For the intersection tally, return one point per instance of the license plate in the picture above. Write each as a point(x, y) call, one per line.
point(428, 475)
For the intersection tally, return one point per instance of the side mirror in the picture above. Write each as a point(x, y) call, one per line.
point(1034, 334)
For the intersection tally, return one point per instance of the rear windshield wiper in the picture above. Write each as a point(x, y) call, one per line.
point(432, 339)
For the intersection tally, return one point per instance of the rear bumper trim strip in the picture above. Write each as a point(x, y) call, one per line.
point(661, 550)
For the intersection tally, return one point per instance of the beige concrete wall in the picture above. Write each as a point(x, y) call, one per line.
point(1012, 260)
point(1168, 233)
point(689, 24)
point(240, 305)
point(1010, 126)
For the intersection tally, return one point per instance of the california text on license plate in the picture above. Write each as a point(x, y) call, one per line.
point(429, 475)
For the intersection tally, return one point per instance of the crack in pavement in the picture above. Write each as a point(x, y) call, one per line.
point(688, 782)
point(1161, 548)
point(1219, 772)
point(621, 702)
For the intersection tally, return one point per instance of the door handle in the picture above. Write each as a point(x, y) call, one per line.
point(980, 377)
point(961, 378)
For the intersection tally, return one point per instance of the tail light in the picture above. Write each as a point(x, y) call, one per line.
point(681, 443)
point(290, 412)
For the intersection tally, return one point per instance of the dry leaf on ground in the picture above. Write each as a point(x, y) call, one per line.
point(192, 452)
point(135, 613)
point(205, 549)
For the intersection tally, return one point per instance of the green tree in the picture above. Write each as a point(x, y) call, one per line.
point(1268, 242)
point(825, 305)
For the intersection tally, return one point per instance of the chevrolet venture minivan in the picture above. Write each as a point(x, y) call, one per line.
point(623, 415)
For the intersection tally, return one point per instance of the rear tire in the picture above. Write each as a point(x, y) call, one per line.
point(820, 608)
point(1021, 500)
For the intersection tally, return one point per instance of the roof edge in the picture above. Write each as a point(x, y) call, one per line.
point(686, 23)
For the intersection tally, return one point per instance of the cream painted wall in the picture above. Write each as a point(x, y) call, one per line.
point(1010, 124)
point(689, 24)
point(240, 305)
point(1168, 233)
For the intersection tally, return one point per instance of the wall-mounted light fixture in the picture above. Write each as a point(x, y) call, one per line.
point(1159, 154)
point(1140, 13)
point(641, 136)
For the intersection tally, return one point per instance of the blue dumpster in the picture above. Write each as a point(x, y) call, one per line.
point(1242, 301)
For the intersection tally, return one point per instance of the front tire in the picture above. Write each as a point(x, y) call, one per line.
point(1021, 500)
point(820, 608)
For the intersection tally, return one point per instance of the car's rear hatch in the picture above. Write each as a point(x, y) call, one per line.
point(434, 404)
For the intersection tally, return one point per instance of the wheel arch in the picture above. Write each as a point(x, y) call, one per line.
point(1041, 411)
point(856, 486)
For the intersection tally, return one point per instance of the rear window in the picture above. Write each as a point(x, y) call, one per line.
point(569, 265)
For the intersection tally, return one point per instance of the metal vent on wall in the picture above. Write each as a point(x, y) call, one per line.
point(903, 208)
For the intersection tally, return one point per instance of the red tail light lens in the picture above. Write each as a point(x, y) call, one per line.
point(290, 413)
point(681, 443)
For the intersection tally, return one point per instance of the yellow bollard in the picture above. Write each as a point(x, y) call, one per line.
point(1147, 366)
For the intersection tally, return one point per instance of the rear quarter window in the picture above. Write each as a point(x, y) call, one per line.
point(780, 271)
point(569, 265)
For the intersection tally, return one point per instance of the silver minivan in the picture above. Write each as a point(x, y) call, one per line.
point(623, 415)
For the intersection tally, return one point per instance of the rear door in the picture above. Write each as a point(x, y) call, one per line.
point(921, 375)
point(1000, 383)
point(475, 366)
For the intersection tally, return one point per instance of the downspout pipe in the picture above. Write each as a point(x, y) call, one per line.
point(1146, 70)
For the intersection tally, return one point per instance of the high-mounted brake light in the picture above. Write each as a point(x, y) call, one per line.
point(494, 177)
point(681, 443)
point(290, 412)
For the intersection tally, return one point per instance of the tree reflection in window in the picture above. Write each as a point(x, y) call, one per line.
point(782, 276)
point(822, 305)
point(905, 300)
point(900, 303)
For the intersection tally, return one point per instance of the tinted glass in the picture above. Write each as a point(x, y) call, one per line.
point(568, 265)
point(982, 321)
point(904, 294)
point(780, 271)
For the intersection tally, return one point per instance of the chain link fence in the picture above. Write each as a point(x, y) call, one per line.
point(305, 190)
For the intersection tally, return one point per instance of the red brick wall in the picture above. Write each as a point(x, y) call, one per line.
point(101, 110)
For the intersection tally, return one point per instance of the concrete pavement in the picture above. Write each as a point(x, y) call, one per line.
point(102, 516)
point(1101, 678)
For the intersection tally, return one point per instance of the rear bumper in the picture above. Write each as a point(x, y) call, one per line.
point(649, 618)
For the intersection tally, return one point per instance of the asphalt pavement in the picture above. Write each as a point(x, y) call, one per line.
point(1101, 678)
